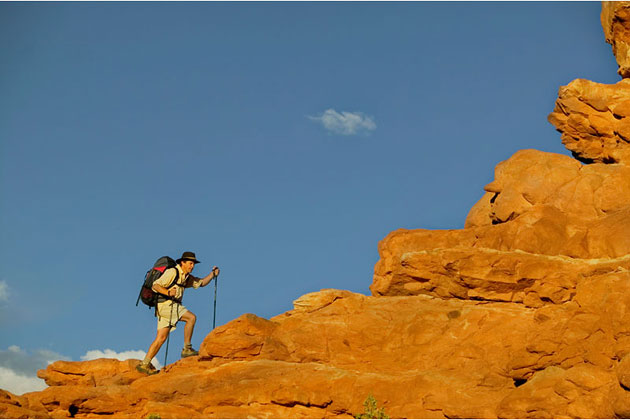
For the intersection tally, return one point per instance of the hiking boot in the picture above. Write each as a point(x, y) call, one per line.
point(188, 351)
point(147, 369)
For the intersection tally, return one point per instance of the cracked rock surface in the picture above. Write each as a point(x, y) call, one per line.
point(524, 313)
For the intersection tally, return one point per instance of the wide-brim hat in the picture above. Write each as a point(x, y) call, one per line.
point(188, 256)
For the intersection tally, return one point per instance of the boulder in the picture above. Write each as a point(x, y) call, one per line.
point(544, 223)
point(531, 179)
point(20, 407)
point(594, 120)
point(91, 373)
point(615, 18)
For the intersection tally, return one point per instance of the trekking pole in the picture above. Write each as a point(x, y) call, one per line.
point(214, 317)
point(168, 338)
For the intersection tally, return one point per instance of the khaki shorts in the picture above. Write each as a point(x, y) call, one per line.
point(168, 317)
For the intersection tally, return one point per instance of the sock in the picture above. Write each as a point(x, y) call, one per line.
point(145, 361)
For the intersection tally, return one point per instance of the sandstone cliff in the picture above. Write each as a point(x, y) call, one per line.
point(523, 313)
point(615, 19)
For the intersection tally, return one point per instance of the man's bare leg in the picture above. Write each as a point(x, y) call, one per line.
point(160, 338)
point(189, 318)
point(145, 366)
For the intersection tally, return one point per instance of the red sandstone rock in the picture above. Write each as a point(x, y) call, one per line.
point(529, 240)
point(91, 373)
point(420, 356)
point(524, 313)
point(545, 222)
point(14, 407)
point(532, 178)
point(615, 18)
point(580, 392)
point(594, 120)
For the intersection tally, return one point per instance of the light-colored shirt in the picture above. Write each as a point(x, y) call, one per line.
point(183, 281)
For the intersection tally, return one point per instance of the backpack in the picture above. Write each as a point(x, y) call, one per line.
point(148, 296)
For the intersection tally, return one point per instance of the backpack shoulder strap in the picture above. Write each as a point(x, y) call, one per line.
point(174, 279)
point(165, 297)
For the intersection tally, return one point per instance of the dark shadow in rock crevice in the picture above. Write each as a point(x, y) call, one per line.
point(519, 381)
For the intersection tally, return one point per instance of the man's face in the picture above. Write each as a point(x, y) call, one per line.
point(187, 266)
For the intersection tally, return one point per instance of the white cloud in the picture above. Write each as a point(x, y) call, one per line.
point(123, 355)
point(19, 384)
point(24, 363)
point(4, 291)
point(18, 369)
point(345, 123)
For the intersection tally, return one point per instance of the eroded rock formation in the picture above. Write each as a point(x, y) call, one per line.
point(594, 120)
point(422, 356)
point(544, 223)
point(615, 19)
point(523, 313)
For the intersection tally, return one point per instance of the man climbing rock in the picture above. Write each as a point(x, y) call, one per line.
point(170, 309)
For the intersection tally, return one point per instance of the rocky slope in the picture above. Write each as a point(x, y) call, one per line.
point(524, 313)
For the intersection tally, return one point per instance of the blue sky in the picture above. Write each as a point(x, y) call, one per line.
point(279, 141)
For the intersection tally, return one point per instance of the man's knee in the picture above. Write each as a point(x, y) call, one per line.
point(190, 317)
point(162, 335)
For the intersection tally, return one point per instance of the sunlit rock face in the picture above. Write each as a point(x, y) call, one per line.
point(422, 356)
point(524, 313)
point(615, 19)
point(551, 234)
point(546, 222)
point(594, 120)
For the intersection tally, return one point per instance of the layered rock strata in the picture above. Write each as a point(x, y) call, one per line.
point(544, 223)
point(524, 313)
point(421, 356)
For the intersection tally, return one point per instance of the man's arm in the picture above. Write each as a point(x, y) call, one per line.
point(165, 279)
point(215, 272)
point(164, 291)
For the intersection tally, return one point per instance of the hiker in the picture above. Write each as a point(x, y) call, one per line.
point(170, 309)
